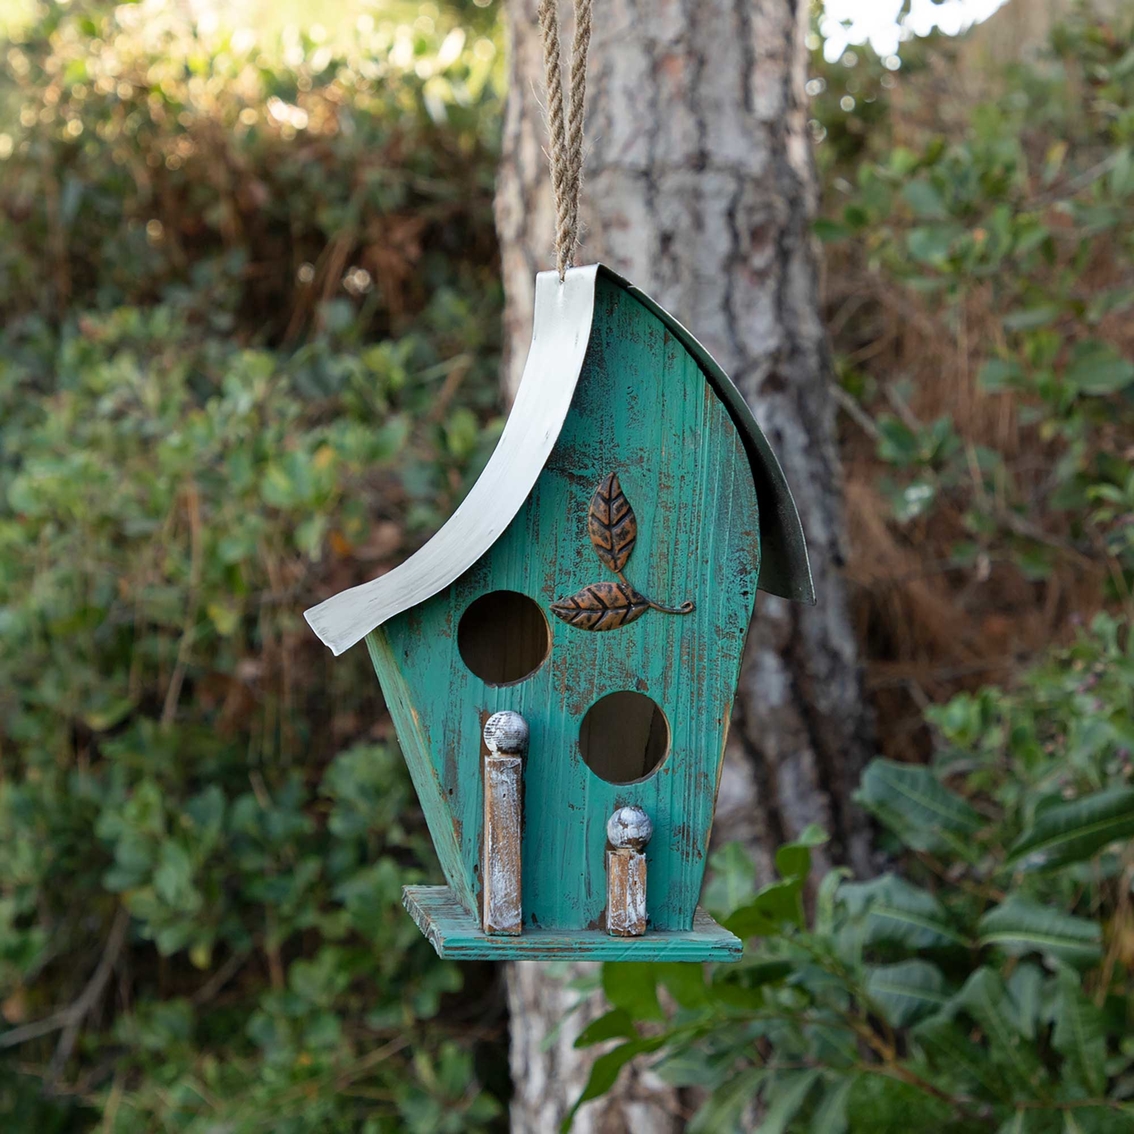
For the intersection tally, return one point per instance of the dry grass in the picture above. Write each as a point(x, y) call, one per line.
point(931, 627)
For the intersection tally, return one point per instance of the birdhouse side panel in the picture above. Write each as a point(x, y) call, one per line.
point(415, 739)
point(680, 600)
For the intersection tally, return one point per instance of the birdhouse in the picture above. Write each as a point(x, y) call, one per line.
point(560, 660)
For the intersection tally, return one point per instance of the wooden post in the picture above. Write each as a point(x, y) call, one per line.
point(506, 737)
point(629, 830)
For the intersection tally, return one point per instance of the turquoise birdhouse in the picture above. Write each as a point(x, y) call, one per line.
point(560, 660)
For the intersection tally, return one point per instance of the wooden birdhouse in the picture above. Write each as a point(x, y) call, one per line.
point(560, 660)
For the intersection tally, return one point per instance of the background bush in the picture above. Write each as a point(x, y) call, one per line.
point(980, 279)
point(249, 352)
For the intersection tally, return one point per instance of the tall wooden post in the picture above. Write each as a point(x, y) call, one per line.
point(506, 738)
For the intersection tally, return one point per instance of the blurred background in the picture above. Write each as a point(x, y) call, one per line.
point(250, 353)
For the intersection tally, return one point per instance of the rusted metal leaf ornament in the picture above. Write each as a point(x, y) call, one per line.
point(612, 525)
point(601, 606)
point(613, 529)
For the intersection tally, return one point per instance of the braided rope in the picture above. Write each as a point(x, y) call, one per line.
point(565, 130)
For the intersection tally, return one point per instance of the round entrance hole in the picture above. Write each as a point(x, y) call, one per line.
point(624, 737)
point(503, 637)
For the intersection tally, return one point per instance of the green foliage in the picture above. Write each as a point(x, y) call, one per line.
point(996, 247)
point(241, 294)
point(989, 989)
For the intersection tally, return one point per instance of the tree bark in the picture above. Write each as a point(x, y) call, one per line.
point(700, 189)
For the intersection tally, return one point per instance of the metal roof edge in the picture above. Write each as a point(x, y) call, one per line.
point(785, 568)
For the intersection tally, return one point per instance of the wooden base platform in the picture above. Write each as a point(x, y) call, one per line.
point(455, 933)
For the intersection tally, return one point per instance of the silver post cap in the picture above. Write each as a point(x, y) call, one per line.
point(506, 733)
point(629, 827)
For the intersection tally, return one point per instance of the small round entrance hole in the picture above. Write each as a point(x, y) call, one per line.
point(503, 637)
point(624, 737)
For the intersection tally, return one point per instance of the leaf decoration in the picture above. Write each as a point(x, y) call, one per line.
point(612, 525)
point(601, 606)
point(613, 529)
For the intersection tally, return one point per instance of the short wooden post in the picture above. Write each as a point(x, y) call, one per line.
point(628, 830)
point(506, 738)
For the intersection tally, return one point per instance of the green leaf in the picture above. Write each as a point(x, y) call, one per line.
point(1108, 301)
point(173, 879)
point(826, 899)
point(740, 986)
point(925, 200)
point(732, 879)
point(1097, 368)
point(1020, 926)
point(787, 1093)
point(615, 1024)
point(1030, 318)
point(108, 713)
point(694, 1066)
point(911, 801)
point(1080, 1035)
point(998, 374)
point(605, 1069)
point(932, 243)
point(685, 982)
point(1095, 1120)
point(906, 992)
point(896, 912)
point(952, 1051)
point(461, 433)
point(1025, 986)
point(898, 444)
point(986, 999)
point(225, 616)
point(632, 986)
point(830, 1115)
point(1029, 1121)
point(1073, 831)
point(721, 1111)
point(829, 231)
point(775, 906)
point(793, 860)
point(277, 489)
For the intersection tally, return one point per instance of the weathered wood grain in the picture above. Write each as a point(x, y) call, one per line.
point(445, 827)
point(643, 407)
point(625, 893)
point(503, 823)
point(455, 933)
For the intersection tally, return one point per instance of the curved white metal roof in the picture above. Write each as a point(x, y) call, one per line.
point(564, 311)
point(560, 333)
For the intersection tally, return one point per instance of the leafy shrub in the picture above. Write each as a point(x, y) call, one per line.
point(985, 988)
point(997, 248)
point(248, 357)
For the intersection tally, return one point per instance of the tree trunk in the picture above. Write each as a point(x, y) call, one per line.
point(700, 189)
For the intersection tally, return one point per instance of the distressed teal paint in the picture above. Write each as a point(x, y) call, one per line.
point(414, 737)
point(644, 410)
point(456, 933)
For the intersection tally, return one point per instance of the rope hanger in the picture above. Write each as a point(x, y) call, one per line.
point(566, 132)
